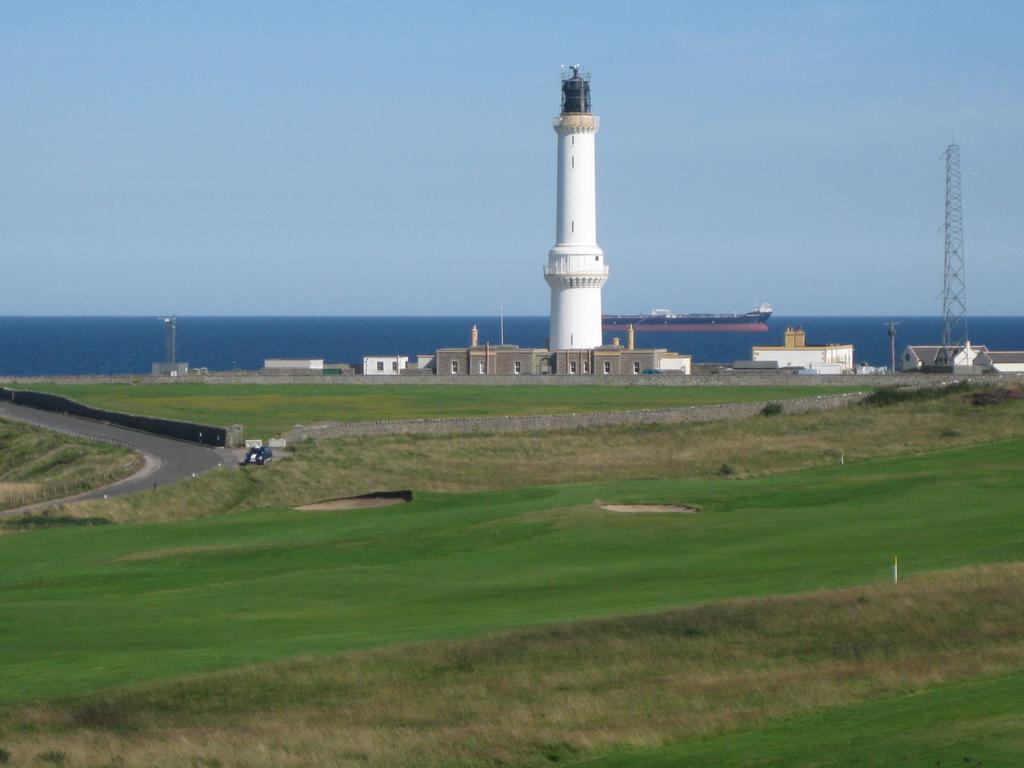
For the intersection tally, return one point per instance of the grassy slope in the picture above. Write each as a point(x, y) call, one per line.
point(84, 609)
point(548, 694)
point(977, 723)
point(267, 410)
point(36, 465)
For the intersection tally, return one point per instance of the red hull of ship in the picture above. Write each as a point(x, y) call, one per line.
point(731, 327)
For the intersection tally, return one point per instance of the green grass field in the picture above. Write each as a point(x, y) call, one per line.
point(558, 693)
point(107, 606)
point(87, 611)
point(267, 410)
point(520, 624)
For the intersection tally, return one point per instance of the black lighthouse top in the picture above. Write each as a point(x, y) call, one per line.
point(575, 92)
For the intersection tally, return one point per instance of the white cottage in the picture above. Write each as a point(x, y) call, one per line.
point(917, 357)
point(386, 365)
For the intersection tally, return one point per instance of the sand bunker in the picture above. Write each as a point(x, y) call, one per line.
point(352, 504)
point(368, 501)
point(629, 509)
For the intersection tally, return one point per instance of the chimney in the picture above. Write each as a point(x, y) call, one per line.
point(474, 337)
point(629, 337)
point(795, 337)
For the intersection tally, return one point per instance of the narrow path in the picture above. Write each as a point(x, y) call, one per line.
point(166, 460)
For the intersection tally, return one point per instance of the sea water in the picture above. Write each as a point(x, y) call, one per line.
point(65, 346)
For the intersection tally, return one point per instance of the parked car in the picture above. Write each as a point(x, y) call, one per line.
point(260, 456)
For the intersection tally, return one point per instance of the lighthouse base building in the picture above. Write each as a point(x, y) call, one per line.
point(612, 359)
point(510, 360)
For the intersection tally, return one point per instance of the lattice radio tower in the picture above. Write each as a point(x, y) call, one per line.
point(954, 290)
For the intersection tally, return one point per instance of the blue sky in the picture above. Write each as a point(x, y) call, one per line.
point(393, 158)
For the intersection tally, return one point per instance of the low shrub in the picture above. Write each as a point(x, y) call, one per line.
point(772, 409)
point(102, 713)
point(896, 394)
point(559, 751)
point(53, 757)
point(725, 470)
point(5, 756)
point(44, 520)
point(995, 396)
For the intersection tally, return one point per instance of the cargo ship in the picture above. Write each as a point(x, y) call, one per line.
point(667, 320)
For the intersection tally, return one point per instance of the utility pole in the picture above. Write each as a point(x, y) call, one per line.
point(892, 344)
point(954, 291)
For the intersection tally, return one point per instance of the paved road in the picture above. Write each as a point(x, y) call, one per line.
point(166, 460)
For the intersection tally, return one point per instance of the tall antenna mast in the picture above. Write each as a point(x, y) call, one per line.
point(954, 290)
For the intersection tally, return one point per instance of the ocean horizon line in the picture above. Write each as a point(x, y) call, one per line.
point(159, 315)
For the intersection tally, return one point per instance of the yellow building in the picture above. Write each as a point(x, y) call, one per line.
point(796, 353)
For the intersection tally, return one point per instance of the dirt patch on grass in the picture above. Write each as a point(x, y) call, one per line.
point(160, 554)
point(632, 509)
point(366, 501)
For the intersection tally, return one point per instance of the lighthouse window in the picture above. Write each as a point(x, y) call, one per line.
point(574, 161)
point(573, 140)
point(573, 224)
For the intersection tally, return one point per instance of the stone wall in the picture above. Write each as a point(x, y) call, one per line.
point(566, 421)
point(663, 380)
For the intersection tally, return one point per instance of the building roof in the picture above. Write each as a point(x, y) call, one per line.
point(1005, 357)
point(811, 347)
point(493, 349)
point(927, 353)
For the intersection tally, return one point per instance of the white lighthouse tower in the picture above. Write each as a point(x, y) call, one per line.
point(576, 270)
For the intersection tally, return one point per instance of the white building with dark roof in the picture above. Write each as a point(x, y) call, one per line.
point(917, 357)
point(1002, 362)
